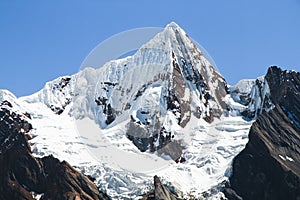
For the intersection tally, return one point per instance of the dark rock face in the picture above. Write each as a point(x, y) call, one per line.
point(145, 140)
point(269, 166)
point(67, 183)
point(160, 192)
point(285, 88)
point(22, 175)
point(186, 67)
point(59, 88)
point(108, 110)
point(175, 101)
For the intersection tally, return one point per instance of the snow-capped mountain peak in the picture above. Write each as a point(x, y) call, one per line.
point(166, 88)
point(164, 112)
point(163, 104)
point(156, 93)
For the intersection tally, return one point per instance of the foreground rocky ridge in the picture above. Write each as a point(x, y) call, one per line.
point(23, 176)
point(268, 167)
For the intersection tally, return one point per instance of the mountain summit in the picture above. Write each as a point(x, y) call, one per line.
point(165, 86)
point(160, 89)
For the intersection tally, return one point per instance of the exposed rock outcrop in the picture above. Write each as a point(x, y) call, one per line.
point(268, 167)
point(159, 192)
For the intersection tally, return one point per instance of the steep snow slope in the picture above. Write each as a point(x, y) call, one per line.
point(133, 118)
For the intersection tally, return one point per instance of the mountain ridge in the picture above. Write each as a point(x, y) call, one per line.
point(273, 144)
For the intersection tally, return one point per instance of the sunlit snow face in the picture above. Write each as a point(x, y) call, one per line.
point(104, 126)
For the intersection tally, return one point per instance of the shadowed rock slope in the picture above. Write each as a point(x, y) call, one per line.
point(269, 166)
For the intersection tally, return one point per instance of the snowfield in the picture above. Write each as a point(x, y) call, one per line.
point(121, 169)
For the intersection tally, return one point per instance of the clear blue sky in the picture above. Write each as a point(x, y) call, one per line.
point(41, 40)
